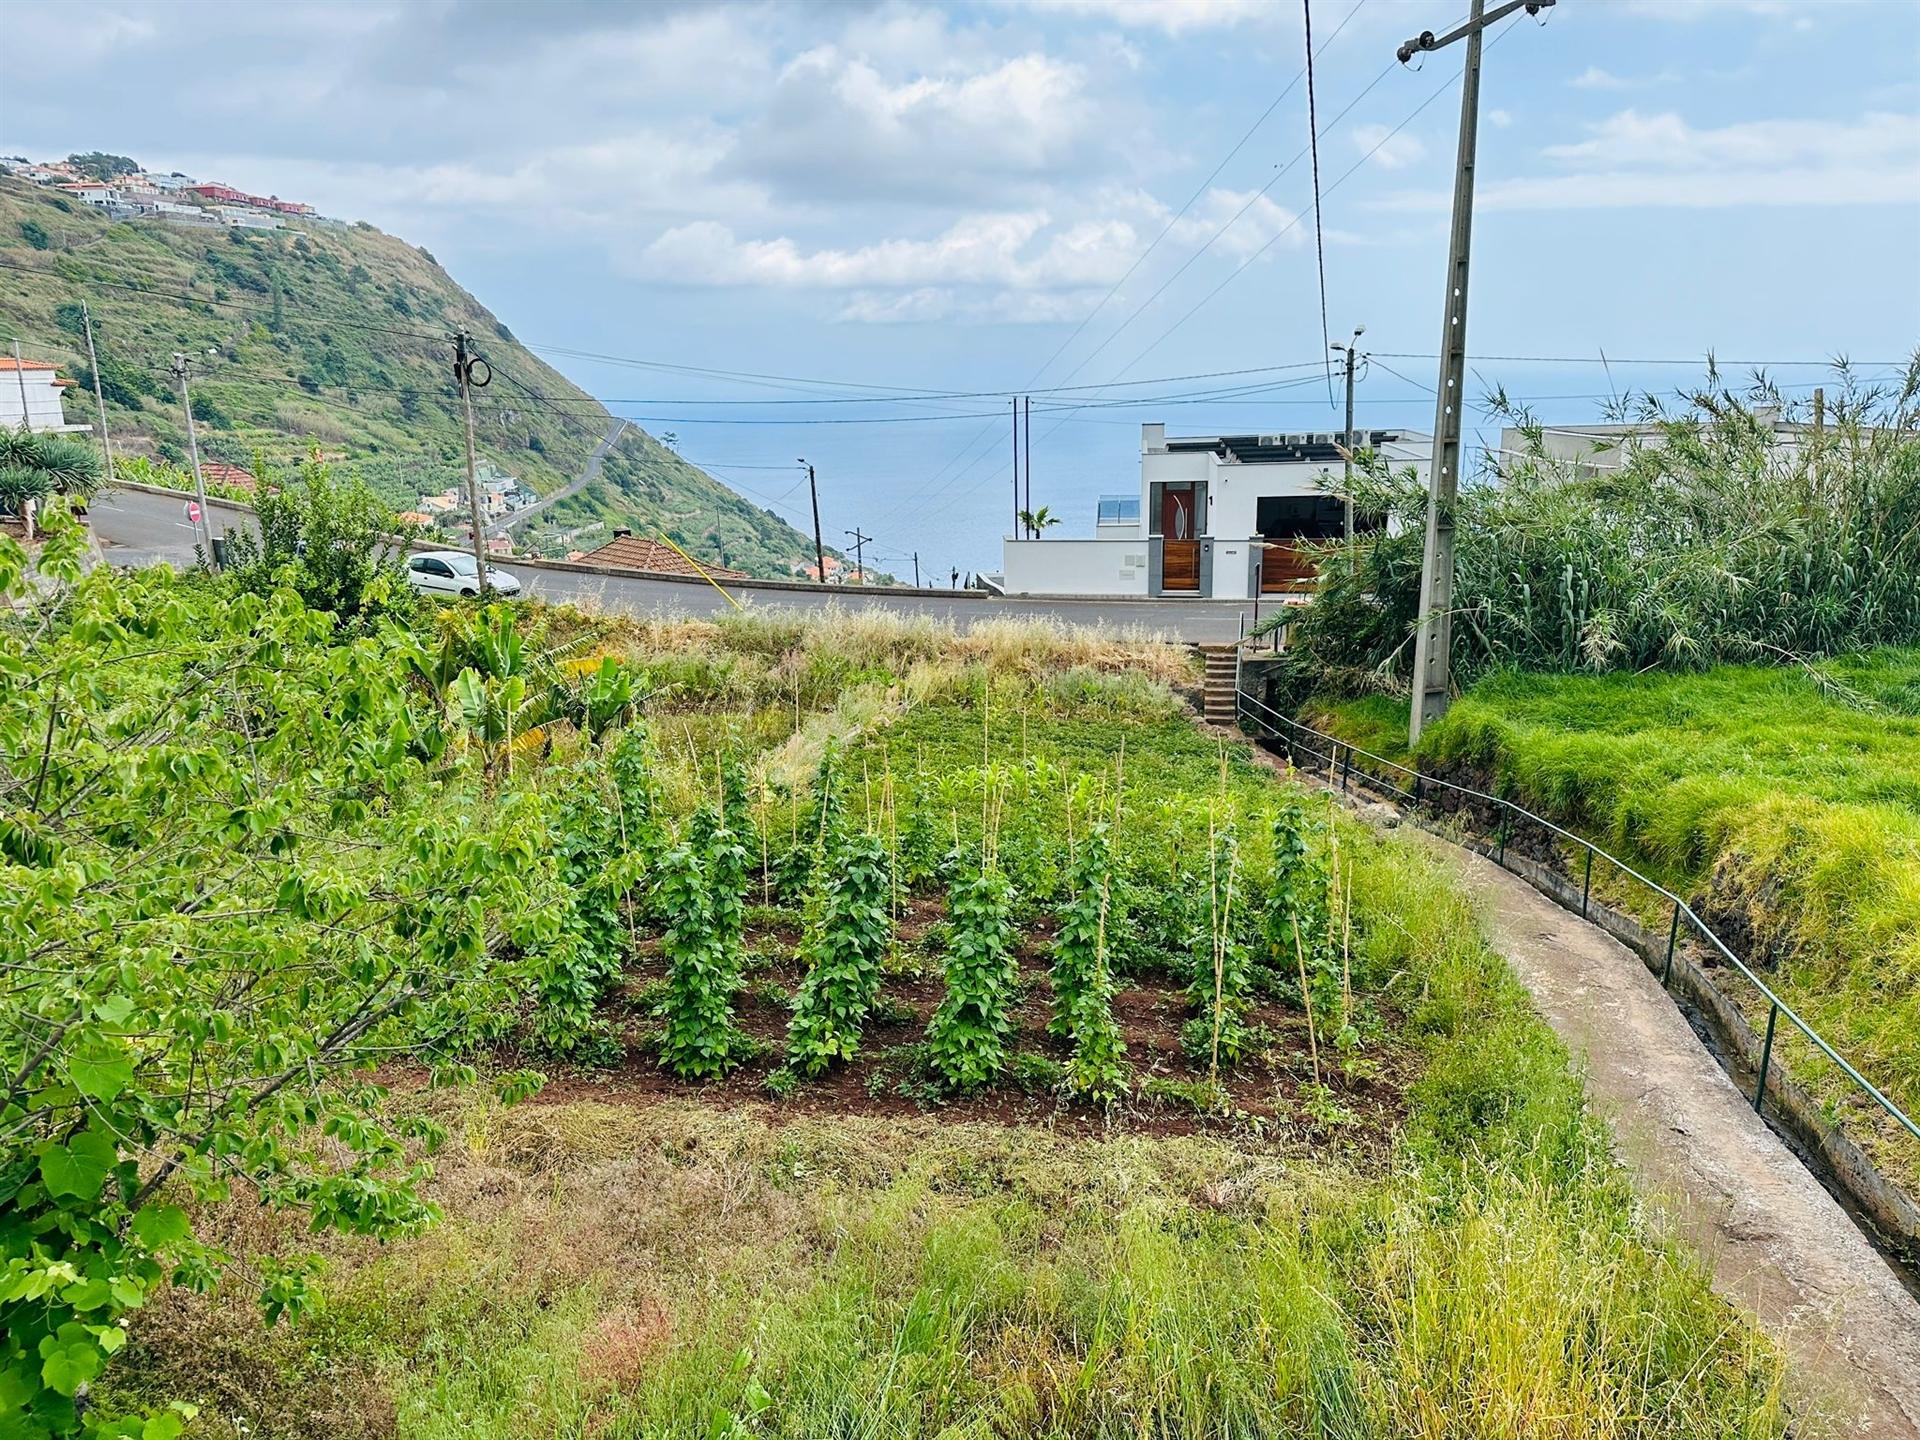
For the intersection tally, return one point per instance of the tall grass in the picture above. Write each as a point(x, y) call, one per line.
point(1716, 539)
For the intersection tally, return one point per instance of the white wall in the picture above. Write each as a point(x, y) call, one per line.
point(43, 402)
point(1076, 567)
point(1234, 502)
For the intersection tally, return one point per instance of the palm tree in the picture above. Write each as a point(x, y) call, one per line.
point(1035, 521)
point(34, 466)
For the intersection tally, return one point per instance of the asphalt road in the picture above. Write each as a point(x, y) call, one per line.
point(137, 528)
point(574, 487)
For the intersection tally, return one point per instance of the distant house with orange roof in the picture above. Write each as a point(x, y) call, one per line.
point(631, 552)
point(233, 477)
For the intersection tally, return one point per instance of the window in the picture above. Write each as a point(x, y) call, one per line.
point(1307, 517)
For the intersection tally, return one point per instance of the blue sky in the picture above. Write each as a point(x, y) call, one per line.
point(956, 198)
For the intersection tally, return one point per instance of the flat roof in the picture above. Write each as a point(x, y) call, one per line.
point(1309, 448)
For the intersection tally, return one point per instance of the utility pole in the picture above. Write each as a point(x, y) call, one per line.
point(1347, 351)
point(1026, 410)
point(1433, 644)
point(99, 395)
point(859, 554)
point(819, 550)
point(20, 374)
point(916, 569)
point(463, 373)
point(1819, 427)
point(193, 449)
point(1016, 463)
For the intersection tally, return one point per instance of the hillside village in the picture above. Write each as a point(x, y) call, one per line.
point(173, 196)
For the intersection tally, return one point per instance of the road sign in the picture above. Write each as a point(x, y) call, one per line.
point(193, 512)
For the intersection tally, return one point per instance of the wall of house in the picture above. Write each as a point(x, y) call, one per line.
point(43, 402)
point(1076, 567)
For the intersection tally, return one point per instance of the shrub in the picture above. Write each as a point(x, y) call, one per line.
point(847, 941)
point(967, 1038)
point(333, 542)
point(1715, 540)
point(35, 234)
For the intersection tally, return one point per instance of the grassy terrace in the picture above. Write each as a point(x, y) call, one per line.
point(1786, 799)
point(1380, 1210)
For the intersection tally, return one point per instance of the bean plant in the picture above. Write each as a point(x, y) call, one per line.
point(1221, 988)
point(846, 944)
point(967, 1038)
point(1082, 981)
point(700, 888)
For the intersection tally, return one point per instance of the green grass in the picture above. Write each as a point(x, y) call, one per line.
point(1787, 800)
point(687, 1268)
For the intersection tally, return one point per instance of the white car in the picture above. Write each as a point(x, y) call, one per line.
point(453, 572)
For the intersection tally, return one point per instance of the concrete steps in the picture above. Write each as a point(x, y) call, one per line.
point(1219, 699)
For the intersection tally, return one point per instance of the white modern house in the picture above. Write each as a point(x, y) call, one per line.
point(32, 388)
point(1590, 450)
point(1216, 516)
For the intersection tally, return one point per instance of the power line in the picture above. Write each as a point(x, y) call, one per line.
point(1319, 233)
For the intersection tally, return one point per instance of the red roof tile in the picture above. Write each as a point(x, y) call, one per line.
point(631, 552)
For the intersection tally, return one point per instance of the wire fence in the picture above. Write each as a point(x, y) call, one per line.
point(1336, 758)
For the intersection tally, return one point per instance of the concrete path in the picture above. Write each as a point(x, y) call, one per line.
point(1776, 1241)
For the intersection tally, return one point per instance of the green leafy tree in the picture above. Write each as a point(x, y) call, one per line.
point(849, 931)
point(99, 165)
point(967, 1038)
point(188, 777)
point(333, 542)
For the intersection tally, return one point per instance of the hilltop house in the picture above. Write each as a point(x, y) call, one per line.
point(31, 389)
point(1216, 516)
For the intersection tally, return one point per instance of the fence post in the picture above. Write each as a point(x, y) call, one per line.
point(1416, 789)
point(1506, 818)
point(1673, 938)
point(1346, 768)
point(1586, 885)
point(1766, 1057)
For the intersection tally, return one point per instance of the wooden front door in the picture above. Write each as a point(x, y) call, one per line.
point(1180, 566)
point(1180, 544)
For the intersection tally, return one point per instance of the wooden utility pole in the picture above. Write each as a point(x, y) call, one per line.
point(99, 395)
point(916, 569)
point(859, 554)
point(1016, 465)
point(1433, 645)
point(1346, 352)
point(193, 449)
point(463, 374)
point(819, 550)
point(20, 374)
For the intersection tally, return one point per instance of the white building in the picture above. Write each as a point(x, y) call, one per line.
point(1218, 516)
point(246, 217)
point(33, 388)
point(93, 192)
point(1590, 450)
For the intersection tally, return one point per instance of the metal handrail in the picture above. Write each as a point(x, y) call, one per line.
point(1344, 753)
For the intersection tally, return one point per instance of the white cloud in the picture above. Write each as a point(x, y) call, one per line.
point(1386, 149)
point(836, 127)
point(1668, 142)
point(1499, 119)
point(1594, 78)
point(1173, 16)
point(1631, 159)
point(994, 249)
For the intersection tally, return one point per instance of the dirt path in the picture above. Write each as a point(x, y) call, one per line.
point(1776, 1241)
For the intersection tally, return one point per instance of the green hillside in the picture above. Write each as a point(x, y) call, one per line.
point(335, 337)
